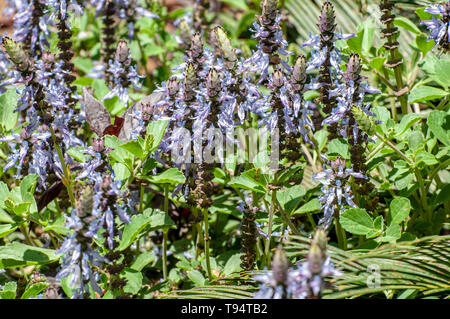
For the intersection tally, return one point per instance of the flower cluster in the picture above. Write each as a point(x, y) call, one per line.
point(79, 256)
point(336, 190)
point(439, 28)
point(307, 281)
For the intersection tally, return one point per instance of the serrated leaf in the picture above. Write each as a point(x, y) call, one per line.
point(197, 277)
point(311, 206)
point(427, 158)
point(170, 176)
point(233, 265)
point(406, 122)
point(425, 93)
point(290, 198)
point(159, 219)
point(338, 147)
point(134, 147)
point(134, 280)
point(245, 182)
point(132, 230)
point(393, 232)
point(18, 255)
point(143, 260)
point(378, 226)
point(439, 122)
point(356, 221)
point(157, 130)
point(399, 209)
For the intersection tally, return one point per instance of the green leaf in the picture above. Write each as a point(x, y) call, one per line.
point(157, 130)
point(34, 290)
point(425, 93)
point(355, 43)
point(132, 230)
point(378, 225)
point(377, 63)
point(442, 69)
point(290, 198)
point(338, 147)
point(311, 206)
point(233, 265)
point(143, 260)
point(76, 153)
point(393, 232)
point(18, 255)
point(424, 44)
point(239, 4)
point(134, 280)
point(369, 35)
point(407, 24)
point(83, 64)
point(170, 176)
point(112, 141)
point(427, 158)
point(197, 277)
point(406, 122)
point(121, 171)
point(356, 221)
point(7, 229)
point(134, 147)
point(159, 219)
point(8, 104)
point(246, 182)
point(9, 290)
point(439, 122)
point(399, 210)
point(416, 141)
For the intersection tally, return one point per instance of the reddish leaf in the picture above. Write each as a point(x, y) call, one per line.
point(115, 128)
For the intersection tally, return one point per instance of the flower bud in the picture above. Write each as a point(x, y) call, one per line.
point(190, 82)
point(299, 72)
point(196, 48)
point(122, 53)
point(98, 144)
point(280, 266)
point(353, 67)
point(278, 78)
point(327, 18)
point(185, 34)
point(336, 164)
point(16, 54)
point(213, 83)
point(269, 9)
point(86, 203)
point(224, 44)
point(173, 86)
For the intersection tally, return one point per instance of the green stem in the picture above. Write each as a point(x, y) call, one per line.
point(269, 231)
point(165, 231)
point(287, 220)
point(435, 173)
point(340, 232)
point(208, 265)
point(66, 180)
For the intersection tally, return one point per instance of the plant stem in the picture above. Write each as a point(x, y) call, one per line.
point(208, 265)
point(287, 220)
point(340, 232)
point(165, 231)
point(66, 180)
point(269, 231)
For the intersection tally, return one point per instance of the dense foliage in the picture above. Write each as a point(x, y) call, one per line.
point(226, 149)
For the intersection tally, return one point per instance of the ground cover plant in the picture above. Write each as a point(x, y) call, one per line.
point(224, 149)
